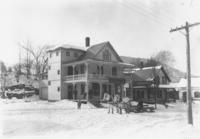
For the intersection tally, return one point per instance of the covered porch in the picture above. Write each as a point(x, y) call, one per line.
point(92, 91)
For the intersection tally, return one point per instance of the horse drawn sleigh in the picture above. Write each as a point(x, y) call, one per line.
point(125, 104)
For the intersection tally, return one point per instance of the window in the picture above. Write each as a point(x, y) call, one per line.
point(70, 70)
point(82, 89)
point(105, 88)
point(49, 67)
point(82, 68)
point(58, 72)
point(57, 53)
point(102, 70)
point(98, 70)
point(114, 71)
point(75, 54)
point(67, 53)
point(142, 94)
point(49, 82)
point(58, 89)
point(50, 54)
point(159, 94)
point(138, 94)
point(197, 94)
point(106, 55)
point(163, 80)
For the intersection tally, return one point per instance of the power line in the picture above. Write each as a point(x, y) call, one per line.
point(149, 11)
point(149, 14)
point(143, 13)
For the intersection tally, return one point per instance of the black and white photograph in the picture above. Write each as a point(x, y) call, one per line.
point(100, 69)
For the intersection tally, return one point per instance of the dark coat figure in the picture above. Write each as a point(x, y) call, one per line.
point(140, 106)
point(79, 104)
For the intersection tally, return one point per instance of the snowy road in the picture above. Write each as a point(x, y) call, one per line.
point(43, 120)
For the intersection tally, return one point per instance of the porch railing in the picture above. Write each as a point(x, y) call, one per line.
point(83, 77)
point(74, 77)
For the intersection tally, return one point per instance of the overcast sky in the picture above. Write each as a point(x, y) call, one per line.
point(137, 28)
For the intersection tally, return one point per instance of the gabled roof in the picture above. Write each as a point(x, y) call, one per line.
point(148, 73)
point(93, 50)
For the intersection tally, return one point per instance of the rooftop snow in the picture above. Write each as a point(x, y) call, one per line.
point(67, 46)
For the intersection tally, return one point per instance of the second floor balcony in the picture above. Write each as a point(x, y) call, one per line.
point(84, 77)
point(91, 70)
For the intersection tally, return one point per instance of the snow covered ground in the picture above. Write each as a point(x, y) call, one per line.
point(32, 117)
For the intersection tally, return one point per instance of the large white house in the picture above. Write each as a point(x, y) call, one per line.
point(84, 72)
point(89, 72)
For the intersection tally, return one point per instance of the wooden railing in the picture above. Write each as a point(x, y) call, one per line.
point(74, 77)
point(85, 76)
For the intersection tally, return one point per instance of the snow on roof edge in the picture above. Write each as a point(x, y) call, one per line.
point(67, 46)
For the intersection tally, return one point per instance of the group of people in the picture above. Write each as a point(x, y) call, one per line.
point(113, 102)
point(120, 103)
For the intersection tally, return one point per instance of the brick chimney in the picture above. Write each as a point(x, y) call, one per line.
point(87, 41)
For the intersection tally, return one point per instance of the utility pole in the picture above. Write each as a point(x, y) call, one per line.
point(189, 97)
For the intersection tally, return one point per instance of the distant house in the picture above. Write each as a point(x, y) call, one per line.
point(151, 84)
point(84, 72)
point(195, 88)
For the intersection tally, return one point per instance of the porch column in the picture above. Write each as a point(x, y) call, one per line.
point(73, 70)
point(87, 90)
point(73, 91)
point(100, 85)
point(86, 70)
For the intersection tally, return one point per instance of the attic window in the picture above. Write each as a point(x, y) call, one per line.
point(106, 55)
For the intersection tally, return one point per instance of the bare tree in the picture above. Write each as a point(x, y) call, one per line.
point(39, 56)
point(152, 62)
point(164, 57)
point(17, 71)
point(3, 77)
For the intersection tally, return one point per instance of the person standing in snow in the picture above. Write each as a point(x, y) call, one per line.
point(79, 104)
point(108, 100)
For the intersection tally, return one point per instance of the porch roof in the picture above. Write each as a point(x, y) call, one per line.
point(164, 86)
point(97, 61)
point(116, 80)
